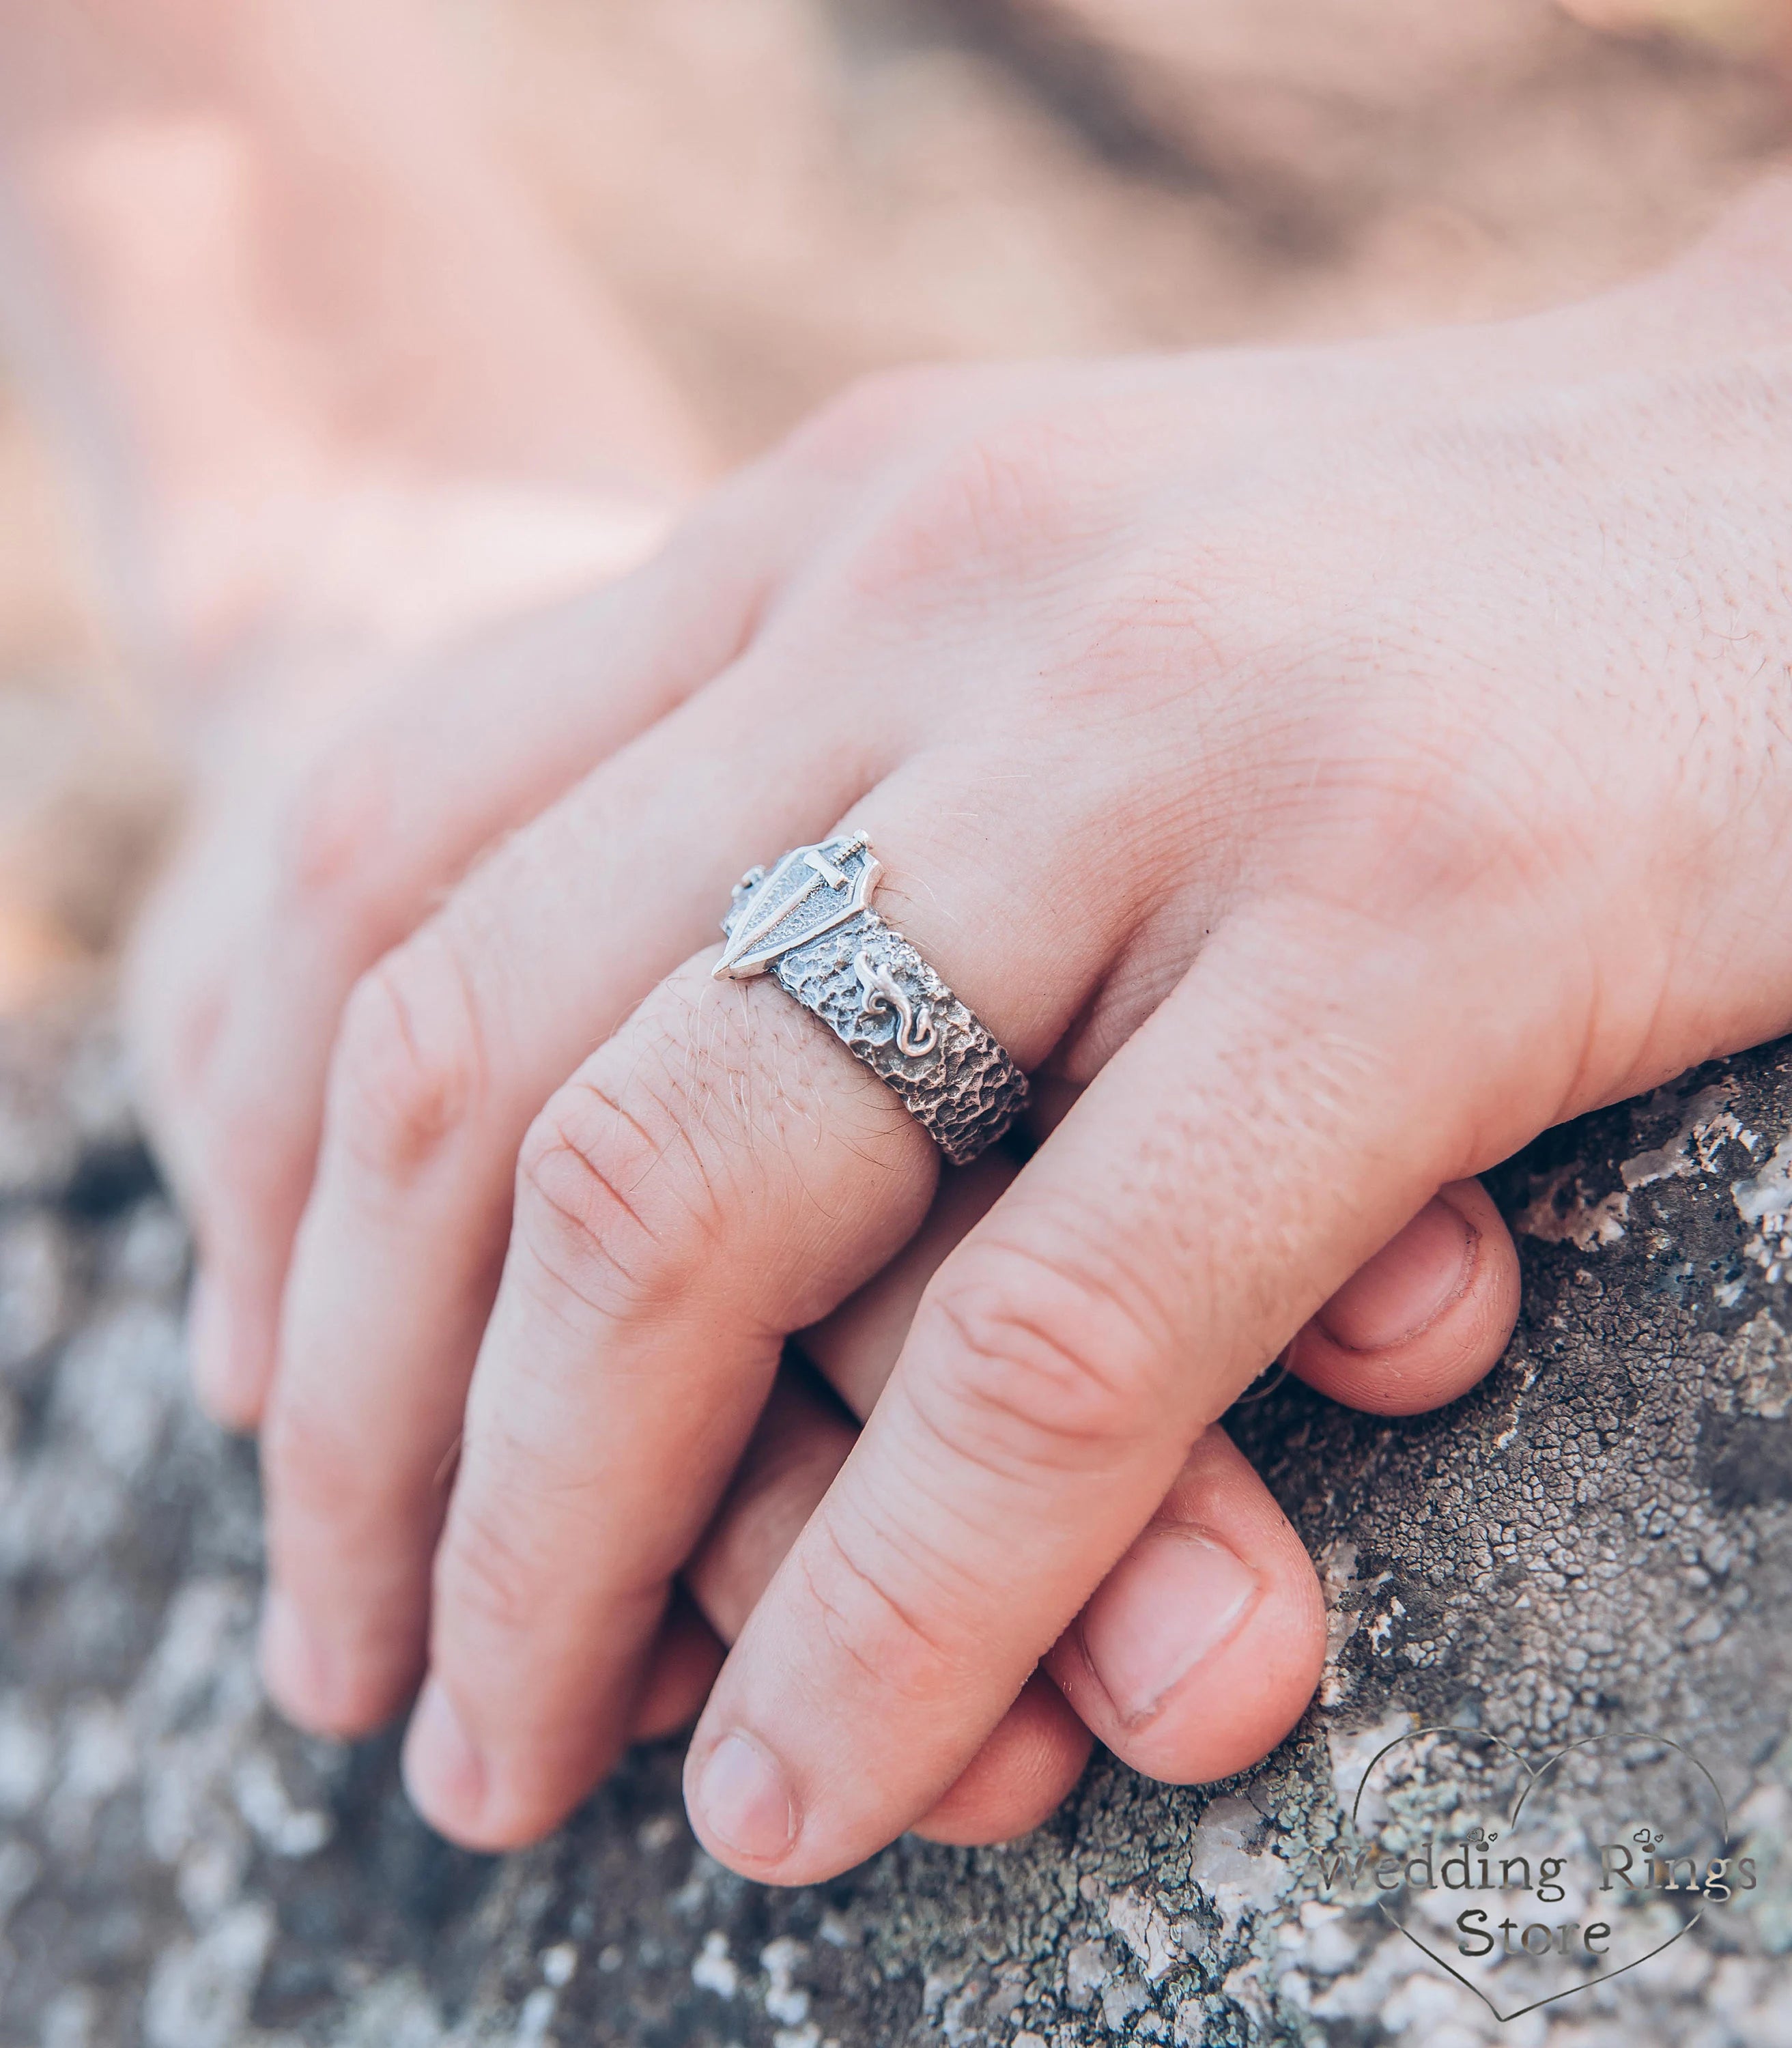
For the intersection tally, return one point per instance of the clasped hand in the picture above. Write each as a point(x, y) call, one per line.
point(1323, 770)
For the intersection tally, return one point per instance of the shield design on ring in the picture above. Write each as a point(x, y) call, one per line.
point(813, 889)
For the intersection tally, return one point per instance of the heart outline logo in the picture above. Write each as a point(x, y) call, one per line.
point(1532, 1778)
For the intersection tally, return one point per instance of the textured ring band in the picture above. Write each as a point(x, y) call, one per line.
point(808, 923)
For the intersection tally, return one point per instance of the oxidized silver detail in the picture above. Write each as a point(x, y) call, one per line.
point(916, 1037)
point(807, 921)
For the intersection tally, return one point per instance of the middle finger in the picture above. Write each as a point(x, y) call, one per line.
point(1027, 1768)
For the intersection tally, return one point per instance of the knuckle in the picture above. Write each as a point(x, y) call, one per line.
point(1042, 1368)
point(851, 1567)
point(1006, 498)
point(408, 1070)
point(242, 1163)
point(335, 839)
point(1420, 831)
point(489, 1574)
point(874, 414)
point(613, 1203)
point(313, 1471)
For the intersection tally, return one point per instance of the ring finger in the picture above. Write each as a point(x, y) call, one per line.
point(720, 1173)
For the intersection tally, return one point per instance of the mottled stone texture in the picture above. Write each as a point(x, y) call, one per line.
point(1600, 1537)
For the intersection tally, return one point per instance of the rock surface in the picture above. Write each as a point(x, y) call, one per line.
point(1599, 1538)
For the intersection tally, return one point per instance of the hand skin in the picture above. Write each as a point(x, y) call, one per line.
point(1416, 1332)
point(1337, 764)
point(222, 214)
point(222, 1030)
point(1162, 1604)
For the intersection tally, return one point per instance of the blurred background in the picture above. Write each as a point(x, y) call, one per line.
point(781, 194)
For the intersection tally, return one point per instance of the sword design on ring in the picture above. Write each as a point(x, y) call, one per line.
point(807, 923)
point(784, 912)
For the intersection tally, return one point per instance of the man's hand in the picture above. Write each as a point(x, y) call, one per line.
point(1327, 768)
point(229, 225)
point(1338, 765)
point(292, 887)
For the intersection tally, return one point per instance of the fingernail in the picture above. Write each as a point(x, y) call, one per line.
point(1407, 1285)
point(1172, 1600)
point(442, 1768)
point(741, 1800)
point(294, 1668)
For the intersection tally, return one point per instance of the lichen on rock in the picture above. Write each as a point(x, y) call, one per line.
point(1598, 1537)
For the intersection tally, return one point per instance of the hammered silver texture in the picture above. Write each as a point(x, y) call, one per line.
point(809, 925)
point(967, 1092)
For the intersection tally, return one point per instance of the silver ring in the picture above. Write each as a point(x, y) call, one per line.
point(808, 923)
